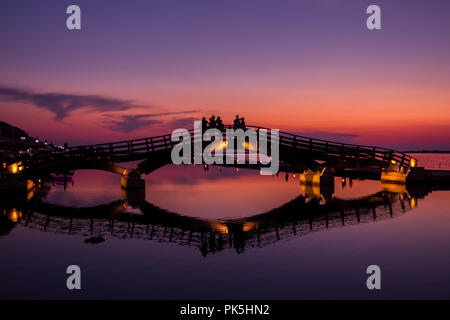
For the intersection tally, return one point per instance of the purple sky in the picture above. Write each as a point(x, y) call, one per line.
point(142, 67)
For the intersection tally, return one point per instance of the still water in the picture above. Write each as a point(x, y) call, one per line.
point(223, 233)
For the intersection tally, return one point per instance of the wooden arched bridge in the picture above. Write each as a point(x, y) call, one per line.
point(298, 152)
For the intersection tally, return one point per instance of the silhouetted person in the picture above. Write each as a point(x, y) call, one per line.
point(204, 124)
point(236, 122)
point(220, 125)
point(212, 121)
point(242, 123)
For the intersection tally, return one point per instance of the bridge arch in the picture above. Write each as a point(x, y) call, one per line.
point(298, 151)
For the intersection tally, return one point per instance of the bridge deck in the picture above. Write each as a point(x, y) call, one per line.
point(291, 146)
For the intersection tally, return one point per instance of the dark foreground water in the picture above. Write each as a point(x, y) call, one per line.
point(227, 234)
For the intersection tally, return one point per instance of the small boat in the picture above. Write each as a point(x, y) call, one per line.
point(61, 178)
point(94, 240)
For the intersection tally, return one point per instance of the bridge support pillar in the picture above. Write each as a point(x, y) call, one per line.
point(133, 186)
point(132, 182)
point(317, 184)
point(131, 179)
point(394, 174)
point(323, 176)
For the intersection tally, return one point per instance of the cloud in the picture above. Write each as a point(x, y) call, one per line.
point(62, 104)
point(185, 122)
point(129, 123)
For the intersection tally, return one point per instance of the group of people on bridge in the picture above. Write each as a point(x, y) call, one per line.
point(213, 123)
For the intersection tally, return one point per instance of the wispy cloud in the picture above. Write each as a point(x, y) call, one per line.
point(182, 122)
point(62, 104)
point(128, 123)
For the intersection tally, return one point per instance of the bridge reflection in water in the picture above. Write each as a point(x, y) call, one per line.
point(303, 215)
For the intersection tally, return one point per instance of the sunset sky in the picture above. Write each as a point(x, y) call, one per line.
point(142, 68)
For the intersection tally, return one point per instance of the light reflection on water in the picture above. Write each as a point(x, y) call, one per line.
point(218, 193)
point(324, 258)
point(88, 188)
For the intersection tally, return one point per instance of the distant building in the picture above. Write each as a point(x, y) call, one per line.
point(7, 130)
point(15, 141)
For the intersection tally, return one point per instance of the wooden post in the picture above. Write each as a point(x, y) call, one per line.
point(146, 144)
point(111, 151)
point(357, 156)
point(374, 152)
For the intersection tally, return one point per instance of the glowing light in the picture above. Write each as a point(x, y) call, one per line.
point(249, 226)
point(220, 228)
point(413, 163)
point(249, 146)
point(125, 171)
point(30, 185)
point(393, 177)
point(343, 179)
point(393, 161)
point(413, 203)
point(398, 188)
point(237, 169)
point(15, 215)
point(30, 195)
point(13, 168)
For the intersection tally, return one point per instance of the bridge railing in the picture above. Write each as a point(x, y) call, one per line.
point(326, 150)
point(320, 149)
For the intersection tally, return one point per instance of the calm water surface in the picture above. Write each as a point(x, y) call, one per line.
point(224, 233)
